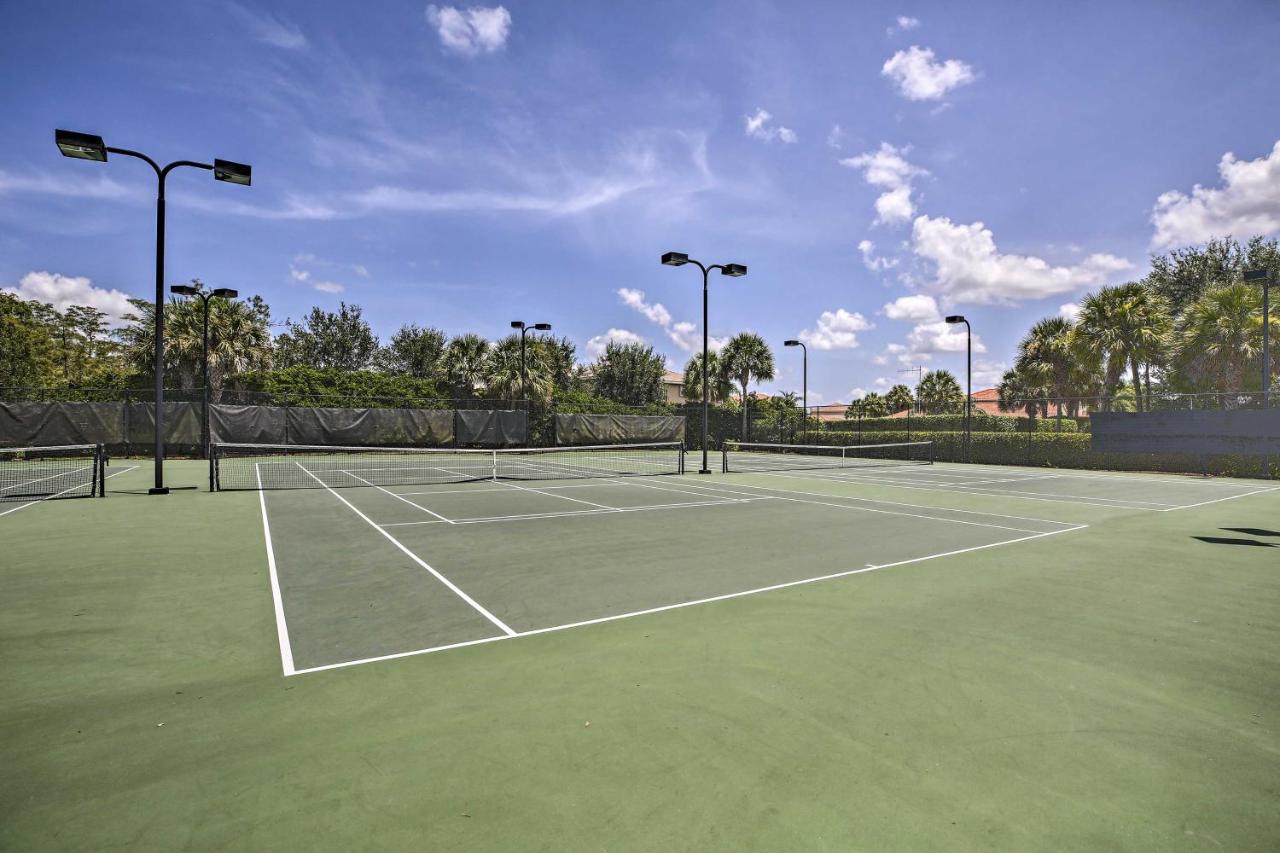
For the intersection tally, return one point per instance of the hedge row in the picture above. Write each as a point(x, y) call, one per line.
point(982, 422)
point(1060, 450)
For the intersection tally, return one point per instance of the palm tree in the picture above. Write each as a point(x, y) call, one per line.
point(1129, 324)
point(744, 358)
point(1220, 338)
point(1048, 348)
point(721, 386)
point(940, 393)
point(502, 377)
point(464, 363)
point(899, 398)
point(1022, 388)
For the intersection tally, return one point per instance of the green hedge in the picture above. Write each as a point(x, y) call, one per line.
point(307, 386)
point(1057, 450)
point(982, 422)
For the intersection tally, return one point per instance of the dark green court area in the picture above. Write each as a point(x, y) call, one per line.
point(935, 657)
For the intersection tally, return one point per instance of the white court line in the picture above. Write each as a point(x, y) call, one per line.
point(726, 490)
point(683, 604)
point(64, 491)
point(282, 627)
point(584, 512)
point(824, 475)
point(1152, 477)
point(421, 562)
point(380, 488)
point(66, 473)
point(961, 487)
point(1220, 500)
point(561, 497)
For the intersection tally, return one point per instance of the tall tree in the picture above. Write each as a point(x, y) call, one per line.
point(413, 351)
point(1022, 388)
point(872, 405)
point(1129, 325)
point(464, 364)
point(502, 370)
point(328, 339)
point(27, 349)
point(940, 393)
point(746, 357)
point(899, 398)
point(1219, 340)
point(720, 386)
point(630, 374)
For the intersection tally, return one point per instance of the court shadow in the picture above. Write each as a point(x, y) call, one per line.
point(1252, 531)
point(1226, 540)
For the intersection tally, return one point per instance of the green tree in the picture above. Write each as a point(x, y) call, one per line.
point(502, 370)
point(340, 340)
point(872, 405)
point(720, 387)
point(1184, 275)
point(1219, 340)
point(464, 364)
point(1129, 326)
point(629, 374)
point(940, 393)
point(746, 357)
point(27, 349)
point(899, 399)
point(413, 351)
point(1022, 388)
point(559, 357)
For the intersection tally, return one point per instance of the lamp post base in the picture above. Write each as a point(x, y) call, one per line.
point(158, 490)
point(706, 471)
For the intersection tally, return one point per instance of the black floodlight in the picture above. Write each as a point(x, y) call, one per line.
point(184, 290)
point(791, 343)
point(542, 327)
point(955, 318)
point(1257, 275)
point(517, 324)
point(226, 293)
point(734, 270)
point(232, 173)
point(82, 146)
point(675, 259)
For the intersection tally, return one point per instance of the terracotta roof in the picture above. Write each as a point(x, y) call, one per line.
point(672, 377)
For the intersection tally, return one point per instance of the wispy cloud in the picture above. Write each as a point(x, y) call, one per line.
point(471, 31)
point(270, 29)
point(84, 185)
point(761, 126)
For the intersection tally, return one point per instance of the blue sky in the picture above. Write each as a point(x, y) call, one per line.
point(874, 164)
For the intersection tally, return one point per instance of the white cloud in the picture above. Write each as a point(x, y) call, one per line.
point(987, 374)
point(656, 312)
point(917, 307)
point(871, 261)
point(304, 276)
point(906, 22)
point(270, 29)
point(920, 78)
point(683, 334)
point(1247, 203)
point(836, 330)
point(759, 126)
point(888, 168)
point(939, 337)
point(835, 139)
point(881, 382)
point(969, 268)
point(596, 345)
point(70, 185)
point(471, 31)
point(360, 270)
point(857, 393)
point(1069, 311)
point(63, 291)
point(328, 287)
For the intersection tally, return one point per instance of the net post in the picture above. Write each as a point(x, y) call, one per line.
point(100, 469)
point(211, 451)
point(680, 466)
point(724, 457)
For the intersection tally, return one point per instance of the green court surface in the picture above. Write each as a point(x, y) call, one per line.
point(937, 657)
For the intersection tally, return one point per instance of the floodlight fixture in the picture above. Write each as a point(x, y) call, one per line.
point(184, 290)
point(81, 146)
point(232, 173)
point(791, 343)
point(542, 327)
point(675, 259)
point(226, 293)
point(1257, 275)
point(955, 318)
point(734, 270)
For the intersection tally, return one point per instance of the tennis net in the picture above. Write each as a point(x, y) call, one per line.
point(41, 473)
point(287, 466)
point(741, 456)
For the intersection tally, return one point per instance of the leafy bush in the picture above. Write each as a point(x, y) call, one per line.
point(982, 422)
point(309, 386)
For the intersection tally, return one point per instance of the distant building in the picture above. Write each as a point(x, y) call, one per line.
point(673, 387)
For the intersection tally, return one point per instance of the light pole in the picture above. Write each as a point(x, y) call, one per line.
point(968, 382)
point(805, 393)
point(1264, 276)
point(86, 146)
point(520, 324)
point(679, 259)
point(218, 293)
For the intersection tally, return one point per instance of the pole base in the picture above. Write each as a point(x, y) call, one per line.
point(158, 490)
point(706, 471)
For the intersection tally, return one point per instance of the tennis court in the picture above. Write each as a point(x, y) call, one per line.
point(376, 555)
point(385, 647)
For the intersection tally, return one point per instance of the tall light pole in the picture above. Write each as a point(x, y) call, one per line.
point(1264, 277)
point(968, 382)
point(217, 293)
point(679, 259)
point(520, 324)
point(86, 146)
point(805, 397)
